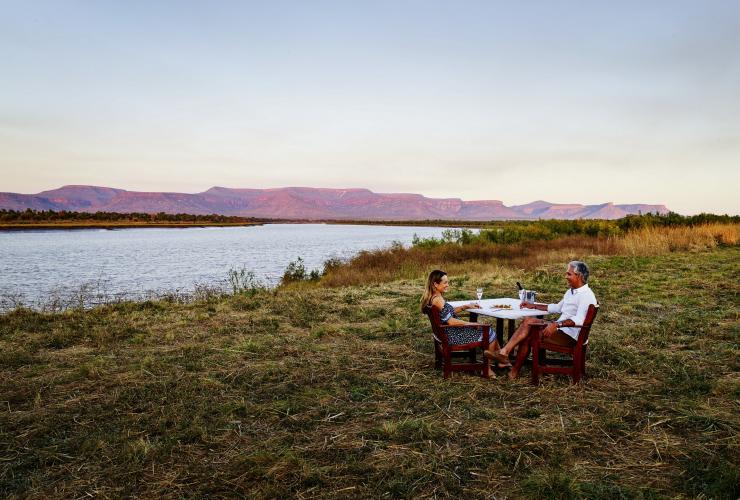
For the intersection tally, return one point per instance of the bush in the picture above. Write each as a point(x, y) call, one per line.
point(296, 271)
point(331, 264)
point(243, 281)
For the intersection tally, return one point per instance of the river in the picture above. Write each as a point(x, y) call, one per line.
point(54, 269)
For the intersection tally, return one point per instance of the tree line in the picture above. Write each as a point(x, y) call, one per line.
point(530, 229)
point(29, 215)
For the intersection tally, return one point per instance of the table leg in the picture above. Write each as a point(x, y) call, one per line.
point(512, 328)
point(500, 330)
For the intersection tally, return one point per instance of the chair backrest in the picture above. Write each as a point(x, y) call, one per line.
point(433, 313)
point(587, 322)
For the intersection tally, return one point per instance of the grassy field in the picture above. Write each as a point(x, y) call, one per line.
point(316, 391)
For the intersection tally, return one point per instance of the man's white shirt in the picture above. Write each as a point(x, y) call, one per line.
point(574, 306)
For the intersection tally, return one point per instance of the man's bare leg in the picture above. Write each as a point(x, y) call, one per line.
point(521, 357)
point(520, 334)
point(524, 349)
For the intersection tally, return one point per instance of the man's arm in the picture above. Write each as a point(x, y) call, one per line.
point(549, 308)
point(580, 316)
point(531, 305)
point(555, 308)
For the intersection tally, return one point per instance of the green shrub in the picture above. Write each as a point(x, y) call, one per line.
point(243, 281)
point(296, 271)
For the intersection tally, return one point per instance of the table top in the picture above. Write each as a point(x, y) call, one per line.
point(487, 308)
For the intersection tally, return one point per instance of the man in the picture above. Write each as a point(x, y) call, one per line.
point(572, 311)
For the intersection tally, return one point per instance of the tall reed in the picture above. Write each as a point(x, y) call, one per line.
point(661, 240)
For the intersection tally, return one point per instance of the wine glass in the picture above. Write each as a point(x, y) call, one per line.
point(479, 293)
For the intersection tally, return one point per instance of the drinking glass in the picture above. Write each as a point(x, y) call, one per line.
point(479, 293)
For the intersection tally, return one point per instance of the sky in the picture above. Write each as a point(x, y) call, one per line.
point(568, 102)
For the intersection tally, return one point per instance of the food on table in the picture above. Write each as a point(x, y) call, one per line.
point(501, 306)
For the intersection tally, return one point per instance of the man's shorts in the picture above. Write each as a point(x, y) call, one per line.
point(560, 338)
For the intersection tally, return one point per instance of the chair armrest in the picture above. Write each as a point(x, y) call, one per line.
point(472, 325)
point(544, 323)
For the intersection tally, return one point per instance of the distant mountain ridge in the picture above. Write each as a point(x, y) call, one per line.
point(308, 203)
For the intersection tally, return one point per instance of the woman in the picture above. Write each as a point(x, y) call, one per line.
point(463, 332)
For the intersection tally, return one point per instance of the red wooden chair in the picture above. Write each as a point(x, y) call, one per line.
point(574, 367)
point(444, 352)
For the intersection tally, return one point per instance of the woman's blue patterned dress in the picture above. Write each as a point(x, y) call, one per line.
point(457, 335)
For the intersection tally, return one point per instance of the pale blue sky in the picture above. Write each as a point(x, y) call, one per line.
point(582, 102)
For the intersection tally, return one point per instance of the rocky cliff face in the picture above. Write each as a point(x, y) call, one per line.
point(308, 203)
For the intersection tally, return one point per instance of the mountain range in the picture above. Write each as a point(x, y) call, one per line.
point(308, 203)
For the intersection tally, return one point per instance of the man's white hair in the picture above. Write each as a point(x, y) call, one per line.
point(580, 268)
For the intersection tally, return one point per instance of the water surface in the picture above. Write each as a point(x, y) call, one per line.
point(55, 265)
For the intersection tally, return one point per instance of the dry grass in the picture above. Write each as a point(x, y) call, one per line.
point(661, 240)
point(331, 392)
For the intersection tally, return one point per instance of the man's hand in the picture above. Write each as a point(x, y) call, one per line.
point(550, 329)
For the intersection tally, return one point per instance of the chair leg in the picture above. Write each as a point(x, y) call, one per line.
point(536, 364)
point(576, 370)
point(583, 361)
point(486, 367)
point(447, 363)
point(437, 356)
